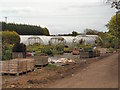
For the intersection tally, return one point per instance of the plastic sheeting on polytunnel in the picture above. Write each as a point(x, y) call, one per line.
point(32, 40)
point(68, 39)
point(57, 40)
point(44, 40)
point(88, 39)
point(24, 39)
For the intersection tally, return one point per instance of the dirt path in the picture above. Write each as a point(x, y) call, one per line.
point(101, 74)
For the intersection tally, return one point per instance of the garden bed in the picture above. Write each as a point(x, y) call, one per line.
point(89, 54)
point(41, 60)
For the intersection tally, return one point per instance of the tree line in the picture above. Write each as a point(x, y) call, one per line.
point(24, 29)
point(86, 32)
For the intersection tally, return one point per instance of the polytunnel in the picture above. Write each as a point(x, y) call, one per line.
point(68, 39)
point(57, 40)
point(45, 39)
point(88, 39)
point(24, 39)
point(31, 39)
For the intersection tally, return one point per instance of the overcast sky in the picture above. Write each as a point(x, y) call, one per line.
point(59, 16)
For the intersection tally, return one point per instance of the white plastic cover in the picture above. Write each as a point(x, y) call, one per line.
point(89, 39)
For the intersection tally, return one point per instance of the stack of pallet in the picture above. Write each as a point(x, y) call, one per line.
point(17, 66)
point(30, 64)
point(5, 65)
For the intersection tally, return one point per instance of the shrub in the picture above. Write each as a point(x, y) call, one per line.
point(86, 47)
point(67, 50)
point(110, 49)
point(6, 52)
point(10, 37)
point(35, 47)
point(47, 51)
point(37, 52)
point(99, 42)
point(60, 47)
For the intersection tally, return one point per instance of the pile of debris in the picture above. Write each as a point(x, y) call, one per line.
point(60, 61)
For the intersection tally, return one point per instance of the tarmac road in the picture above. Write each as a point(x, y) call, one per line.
point(101, 74)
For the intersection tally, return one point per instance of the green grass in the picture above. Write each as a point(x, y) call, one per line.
point(51, 66)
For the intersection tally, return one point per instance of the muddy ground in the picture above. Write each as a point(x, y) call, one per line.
point(43, 76)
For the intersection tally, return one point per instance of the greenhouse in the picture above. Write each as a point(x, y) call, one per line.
point(53, 40)
point(45, 39)
point(32, 40)
point(57, 40)
point(68, 39)
point(28, 39)
point(87, 39)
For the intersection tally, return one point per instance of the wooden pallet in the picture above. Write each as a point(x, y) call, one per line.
point(5, 65)
point(30, 65)
point(17, 66)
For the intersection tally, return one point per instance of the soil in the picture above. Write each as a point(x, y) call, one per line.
point(91, 70)
point(101, 74)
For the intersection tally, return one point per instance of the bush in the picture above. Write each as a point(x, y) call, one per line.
point(67, 50)
point(36, 47)
point(60, 47)
point(6, 52)
point(47, 51)
point(86, 47)
point(110, 49)
point(99, 42)
point(10, 37)
point(37, 52)
point(110, 41)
